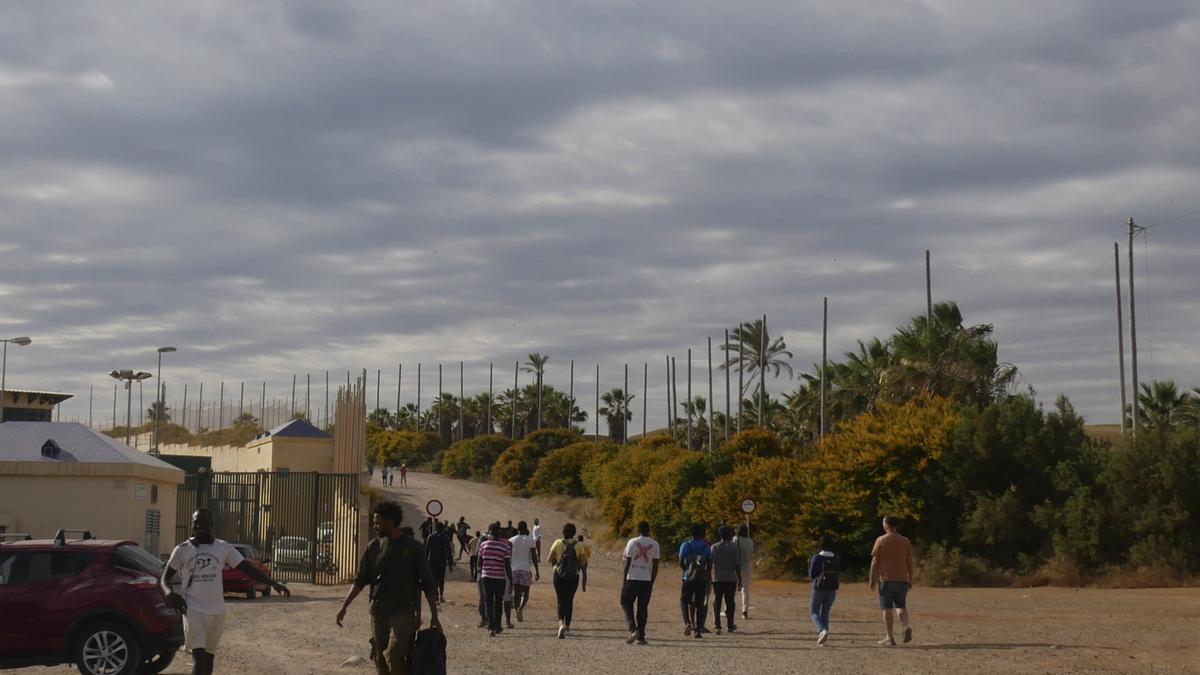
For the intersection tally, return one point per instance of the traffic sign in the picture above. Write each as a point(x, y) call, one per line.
point(748, 506)
point(434, 508)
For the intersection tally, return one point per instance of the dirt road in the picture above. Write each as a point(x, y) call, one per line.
point(956, 630)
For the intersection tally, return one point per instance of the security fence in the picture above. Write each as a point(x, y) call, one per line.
point(305, 524)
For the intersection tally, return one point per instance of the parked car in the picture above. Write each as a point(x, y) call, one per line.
point(325, 532)
point(94, 603)
point(237, 581)
point(293, 553)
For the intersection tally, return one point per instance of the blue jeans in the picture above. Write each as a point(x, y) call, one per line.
point(819, 606)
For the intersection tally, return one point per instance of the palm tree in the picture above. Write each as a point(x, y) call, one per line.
point(745, 346)
point(943, 357)
point(697, 409)
point(509, 412)
point(445, 409)
point(537, 365)
point(408, 417)
point(1162, 404)
point(616, 411)
point(862, 379)
point(558, 411)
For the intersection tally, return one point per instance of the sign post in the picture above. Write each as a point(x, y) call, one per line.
point(748, 506)
point(434, 508)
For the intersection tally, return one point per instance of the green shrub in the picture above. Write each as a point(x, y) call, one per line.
point(559, 472)
point(403, 447)
point(516, 465)
point(944, 566)
point(474, 457)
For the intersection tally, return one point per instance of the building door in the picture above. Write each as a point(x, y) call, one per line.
point(153, 523)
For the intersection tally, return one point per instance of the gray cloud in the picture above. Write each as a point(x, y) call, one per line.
point(335, 186)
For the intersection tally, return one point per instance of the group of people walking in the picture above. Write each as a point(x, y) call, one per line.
point(506, 560)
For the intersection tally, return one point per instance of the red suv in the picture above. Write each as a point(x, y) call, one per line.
point(93, 603)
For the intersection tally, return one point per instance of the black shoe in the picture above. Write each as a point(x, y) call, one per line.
point(732, 628)
point(642, 641)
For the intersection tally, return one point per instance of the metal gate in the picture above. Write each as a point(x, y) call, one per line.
point(305, 524)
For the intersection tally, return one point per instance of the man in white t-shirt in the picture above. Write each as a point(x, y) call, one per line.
point(200, 562)
point(641, 570)
point(524, 567)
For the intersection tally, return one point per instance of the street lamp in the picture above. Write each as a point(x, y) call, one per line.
point(158, 410)
point(129, 377)
point(20, 342)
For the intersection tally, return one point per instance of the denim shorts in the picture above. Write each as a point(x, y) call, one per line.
point(893, 595)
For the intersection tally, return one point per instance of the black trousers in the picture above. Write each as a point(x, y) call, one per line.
point(439, 576)
point(723, 592)
point(564, 591)
point(493, 591)
point(636, 592)
point(693, 601)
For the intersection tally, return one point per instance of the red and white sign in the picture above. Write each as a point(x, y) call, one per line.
point(433, 508)
point(748, 506)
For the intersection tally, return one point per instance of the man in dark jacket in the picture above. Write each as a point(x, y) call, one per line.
point(397, 571)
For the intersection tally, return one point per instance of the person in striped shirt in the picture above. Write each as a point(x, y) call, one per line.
point(495, 564)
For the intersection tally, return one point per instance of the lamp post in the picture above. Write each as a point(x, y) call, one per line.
point(20, 342)
point(158, 409)
point(129, 377)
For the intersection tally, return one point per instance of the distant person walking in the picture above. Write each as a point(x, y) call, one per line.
point(570, 559)
point(473, 554)
point(463, 530)
point(524, 567)
point(403, 475)
point(745, 546)
point(537, 537)
point(440, 552)
point(892, 573)
point(727, 576)
point(426, 529)
point(641, 570)
point(695, 557)
point(201, 598)
point(495, 562)
point(824, 569)
point(395, 568)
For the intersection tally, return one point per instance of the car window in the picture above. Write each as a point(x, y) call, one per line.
point(7, 564)
point(45, 565)
point(136, 558)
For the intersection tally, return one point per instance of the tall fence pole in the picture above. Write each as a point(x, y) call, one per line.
point(597, 402)
point(711, 402)
point(824, 358)
point(571, 397)
point(762, 372)
point(515, 395)
point(1120, 331)
point(625, 408)
point(1133, 335)
point(674, 396)
point(688, 404)
point(645, 395)
point(727, 410)
point(491, 375)
point(462, 402)
point(670, 409)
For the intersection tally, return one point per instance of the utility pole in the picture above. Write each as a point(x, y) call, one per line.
point(624, 409)
point(824, 358)
point(762, 371)
point(1120, 330)
point(727, 420)
point(645, 395)
point(711, 402)
point(928, 292)
point(1133, 331)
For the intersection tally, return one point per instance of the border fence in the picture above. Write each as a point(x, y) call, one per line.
point(306, 524)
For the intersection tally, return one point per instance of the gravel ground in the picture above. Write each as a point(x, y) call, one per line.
point(956, 630)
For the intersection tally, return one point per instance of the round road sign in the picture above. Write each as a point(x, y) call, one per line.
point(434, 508)
point(748, 506)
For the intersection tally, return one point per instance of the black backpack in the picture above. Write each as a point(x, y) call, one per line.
point(428, 653)
point(568, 562)
point(827, 580)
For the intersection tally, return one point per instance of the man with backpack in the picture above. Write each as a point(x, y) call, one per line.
point(824, 569)
point(641, 570)
point(727, 576)
point(570, 558)
point(695, 557)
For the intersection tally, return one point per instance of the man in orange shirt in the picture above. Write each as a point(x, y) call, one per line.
point(892, 574)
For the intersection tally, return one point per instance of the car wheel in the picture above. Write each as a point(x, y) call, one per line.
point(157, 663)
point(107, 648)
point(250, 592)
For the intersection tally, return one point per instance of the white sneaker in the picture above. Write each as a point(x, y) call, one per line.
point(562, 631)
point(822, 637)
point(887, 642)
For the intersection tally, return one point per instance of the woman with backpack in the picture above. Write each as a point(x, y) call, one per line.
point(569, 558)
point(824, 569)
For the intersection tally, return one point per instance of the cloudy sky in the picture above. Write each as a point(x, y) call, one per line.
point(282, 188)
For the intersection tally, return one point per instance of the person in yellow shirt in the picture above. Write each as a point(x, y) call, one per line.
point(570, 559)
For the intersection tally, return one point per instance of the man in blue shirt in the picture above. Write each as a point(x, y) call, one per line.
point(695, 557)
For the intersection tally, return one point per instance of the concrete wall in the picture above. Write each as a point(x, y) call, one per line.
point(111, 507)
point(269, 454)
point(224, 457)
